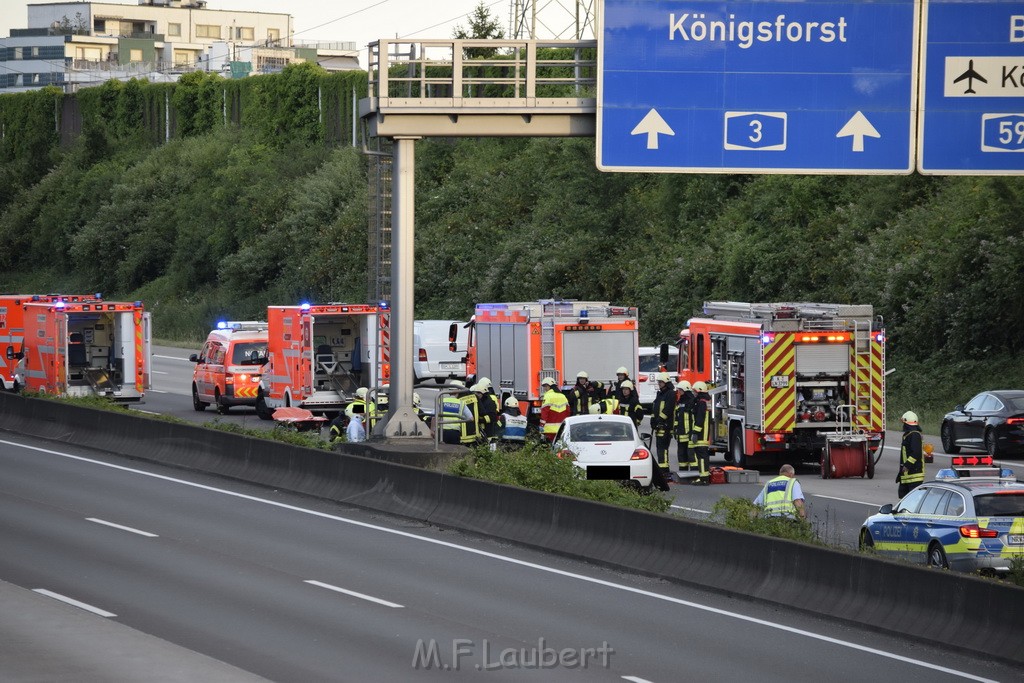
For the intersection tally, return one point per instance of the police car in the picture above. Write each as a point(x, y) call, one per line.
point(968, 519)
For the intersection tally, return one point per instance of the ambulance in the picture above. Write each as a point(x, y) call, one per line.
point(83, 346)
point(319, 354)
point(229, 367)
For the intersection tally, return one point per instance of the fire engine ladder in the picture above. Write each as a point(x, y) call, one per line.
point(547, 349)
point(864, 370)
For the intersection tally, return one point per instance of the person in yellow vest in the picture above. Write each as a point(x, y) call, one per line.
point(459, 417)
point(554, 408)
point(911, 455)
point(782, 496)
point(366, 407)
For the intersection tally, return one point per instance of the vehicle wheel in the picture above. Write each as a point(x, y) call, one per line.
point(197, 405)
point(937, 557)
point(871, 466)
point(736, 454)
point(262, 411)
point(948, 442)
point(991, 445)
point(866, 542)
point(221, 408)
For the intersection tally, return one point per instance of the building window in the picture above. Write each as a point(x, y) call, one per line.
point(174, 30)
point(207, 31)
point(135, 55)
point(183, 57)
point(244, 33)
point(19, 53)
point(273, 35)
point(35, 52)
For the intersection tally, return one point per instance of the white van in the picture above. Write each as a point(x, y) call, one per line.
point(650, 366)
point(434, 359)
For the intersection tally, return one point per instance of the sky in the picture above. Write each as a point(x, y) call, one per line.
point(358, 21)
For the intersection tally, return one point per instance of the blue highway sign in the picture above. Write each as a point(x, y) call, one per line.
point(972, 101)
point(762, 86)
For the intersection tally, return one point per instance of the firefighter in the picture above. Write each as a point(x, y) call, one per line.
point(366, 407)
point(514, 424)
point(487, 415)
point(700, 432)
point(608, 406)
point(663, 418)
point(621, 375)
point(338, 425)
point(629, 403)
point(911, 456)
point(554, 408)
point(579, 398)
point(684, 421)
point(489, 394)
point(459, 418)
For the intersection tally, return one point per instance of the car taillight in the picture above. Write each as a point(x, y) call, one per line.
point(423, 355)
point(1015, 421)
point(386, 370)
point(643, 378)
point(229, 379)
point(975, 531)
point(969, 460)
point(640, 454)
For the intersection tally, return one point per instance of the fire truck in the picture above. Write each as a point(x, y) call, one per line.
point(786, 377)
point(516, 345)
point(82, 346)
point(318, 355)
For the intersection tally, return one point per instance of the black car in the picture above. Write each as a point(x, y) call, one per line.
point(992, 421)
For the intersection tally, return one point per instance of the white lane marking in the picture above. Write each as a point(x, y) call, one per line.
point(147, 412)
point(680, 507)
point(157, 391)
point(157, 355)
point(518, 562)
point(122, 528)
point(76, 603)
point(845, 500)
point(160, 372)
point(635, 679)
point(361, 596)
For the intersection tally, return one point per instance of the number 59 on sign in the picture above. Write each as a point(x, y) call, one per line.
point(1002, 132)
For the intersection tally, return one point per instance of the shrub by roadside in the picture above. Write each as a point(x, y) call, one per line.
point(742, 514)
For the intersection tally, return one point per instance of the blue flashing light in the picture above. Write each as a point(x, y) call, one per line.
point(584, 313)
point(385, 305)
point(767, 338)
point(1006, 473)
point(138, 304)
point(879, 337)
point(99, 295)
point(59, 304)
point(947, 473)
point(222, 325)
point(304, 306)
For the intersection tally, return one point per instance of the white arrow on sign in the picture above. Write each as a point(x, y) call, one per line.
point(652, 125)
point(858, 127)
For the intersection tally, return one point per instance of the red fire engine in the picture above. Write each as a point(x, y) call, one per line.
point(786, 377)
point(318, 355)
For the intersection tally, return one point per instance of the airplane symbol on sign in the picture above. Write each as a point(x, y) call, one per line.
point(971, 75)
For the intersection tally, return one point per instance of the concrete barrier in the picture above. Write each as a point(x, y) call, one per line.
point(955, 610)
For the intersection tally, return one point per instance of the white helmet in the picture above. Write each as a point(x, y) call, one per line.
point(478, 388)
point(595, 409)
point(685, 386)
point(626, 384)
point(361, 392)
point(622, 371)
point(511, 402)
point(548, 382)
point(457, 382)
point(350, 411)
point(910, 417)
point(485, 383)
point(582, 374)
point(700, 386)
point(663, 377)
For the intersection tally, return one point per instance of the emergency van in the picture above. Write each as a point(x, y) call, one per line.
point(12, 331)
point(319, 354)
point(229, 367)
point(84, 346)
point(516, 345)
point(784, 377)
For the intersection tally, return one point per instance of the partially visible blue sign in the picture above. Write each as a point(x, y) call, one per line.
point(972, 118)
point(757, 86)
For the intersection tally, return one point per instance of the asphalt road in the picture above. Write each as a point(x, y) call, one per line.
point(299, 589)
point(837, 507)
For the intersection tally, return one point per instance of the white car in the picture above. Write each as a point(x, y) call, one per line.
point(606, 447)
point(650, 366)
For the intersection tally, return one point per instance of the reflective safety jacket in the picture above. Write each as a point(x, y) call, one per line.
point(778, 498)
point(459, 417)
point(663, 410)
point(609, 406)
point(911, 456)
point(368, 411)
point(579, 399)
point(700, 430)
point(684, 416)
point(554, 408)
point(515, 427)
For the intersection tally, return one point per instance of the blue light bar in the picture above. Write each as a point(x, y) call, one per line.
point(879, 337)
point(222, 325)
point(767, 338)
point(304, 306)
point(947, 474)
point(99, 295)
point(385, 305)
point(59, 304)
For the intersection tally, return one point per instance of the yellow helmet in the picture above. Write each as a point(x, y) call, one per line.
point(700, 386)
point(910, 417)
point(548, 382)
point(626, 384)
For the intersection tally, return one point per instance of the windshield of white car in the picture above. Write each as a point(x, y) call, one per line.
point(601, 431)
point(1006, 504)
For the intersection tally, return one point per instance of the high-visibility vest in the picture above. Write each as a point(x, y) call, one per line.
point(459, 418)
point(911, 459)
point(553, 411)
point(610, 405)
point(778, 498)
point(515, 428)
point(369, 412)
point(702, 431)
point(684, 422)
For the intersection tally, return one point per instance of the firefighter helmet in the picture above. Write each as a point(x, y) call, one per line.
point(511, 402)
point(478, 388)
point(626, 384)
point(685, 386)
point(485, 383)
point(700, 387)
point(663, 377)
point(622, 371)
point(547, 382)
point(361, 392)
point(582, 374)
point(415, 398)
point(350, 411)
point(595, 409)
point(910, 417)
point(457, 382)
